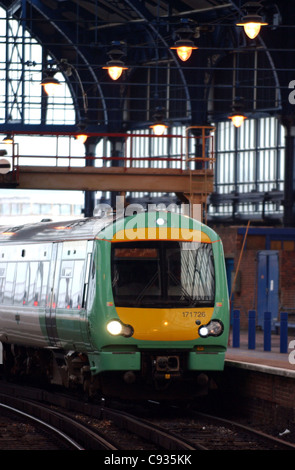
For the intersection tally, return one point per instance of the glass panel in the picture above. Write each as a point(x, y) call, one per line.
point(65, 285)
point(20, 283)
point(77, 285)
point(9, 284)
point(155, 274)
point(3, 267)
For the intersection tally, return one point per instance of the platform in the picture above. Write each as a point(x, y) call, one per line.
point(258, 358)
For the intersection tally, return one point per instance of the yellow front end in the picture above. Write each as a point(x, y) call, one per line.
point(160, 324)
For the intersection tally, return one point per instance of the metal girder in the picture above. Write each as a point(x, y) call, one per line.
point(82, 51)
point(143, 13)
point(114, 179)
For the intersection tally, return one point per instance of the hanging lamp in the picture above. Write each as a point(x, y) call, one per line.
point(237, 117)
point(184, 45)
point(115, 66)
point(252, 21)
point(158, 125)
point(8, 139)
point(50, 84)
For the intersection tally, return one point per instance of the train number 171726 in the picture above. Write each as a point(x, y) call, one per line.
point(193, 314)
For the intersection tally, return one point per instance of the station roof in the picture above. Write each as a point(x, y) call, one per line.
point(226, 67)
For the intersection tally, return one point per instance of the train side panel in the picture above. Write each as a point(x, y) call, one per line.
point(43, 292)
point(23, 291)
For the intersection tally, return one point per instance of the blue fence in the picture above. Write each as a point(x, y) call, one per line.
point(266, 330)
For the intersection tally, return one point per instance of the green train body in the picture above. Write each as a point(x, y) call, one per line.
point(135, 307)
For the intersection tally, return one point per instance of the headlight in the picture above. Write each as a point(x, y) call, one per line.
point(116, 328)
point(214, 328)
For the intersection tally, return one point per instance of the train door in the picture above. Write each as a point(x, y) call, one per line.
point(87, 298)
point(268, 285)
point(229, 265)
point(50, 310)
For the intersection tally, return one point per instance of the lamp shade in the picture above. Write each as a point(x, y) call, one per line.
point(237, 119)
point(251, 27)
point(50, 85)
point(115, 70)
point(158, 128)
point(184, 49)
point(81, 138)
point(8, 139)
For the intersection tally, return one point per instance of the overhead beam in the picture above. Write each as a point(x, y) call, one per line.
point(114, 179)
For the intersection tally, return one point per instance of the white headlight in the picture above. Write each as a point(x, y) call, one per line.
point(214, 328)
point(114, 327)
point(160, 221)
point(203, 331)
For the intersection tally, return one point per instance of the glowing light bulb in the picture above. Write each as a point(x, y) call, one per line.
point(159, 128)
point(115, 71)
point(184, 52)
point(81, 138)
point(237, 119)
point(252, 29)
point(50, 85)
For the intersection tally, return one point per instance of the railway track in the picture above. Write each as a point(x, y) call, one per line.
point(92, 426)
point(215, 433)
point(57, 425)
point(95, 426)
point(23, 431)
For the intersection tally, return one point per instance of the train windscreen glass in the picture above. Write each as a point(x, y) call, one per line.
point(163, 274)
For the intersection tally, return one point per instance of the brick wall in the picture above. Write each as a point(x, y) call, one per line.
point(245, 295)
point(287, 281)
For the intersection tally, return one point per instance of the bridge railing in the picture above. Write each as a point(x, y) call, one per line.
point(169, 151)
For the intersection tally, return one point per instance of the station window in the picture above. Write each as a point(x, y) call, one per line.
point(288, 245)
point(256, 242)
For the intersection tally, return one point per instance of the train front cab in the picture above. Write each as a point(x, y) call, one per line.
point(165, 305)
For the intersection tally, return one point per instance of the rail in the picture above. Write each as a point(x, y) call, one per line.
point(170, 151)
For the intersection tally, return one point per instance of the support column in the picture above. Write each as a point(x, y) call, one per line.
point(89, 196)
point(117, 155)
point(289, 190)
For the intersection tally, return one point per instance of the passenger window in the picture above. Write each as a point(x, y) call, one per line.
point(44, 282)
point(31, 291)
point(77, 286)
point(3, 267)
point(9, 284)
point(20, 284)
point(65, 285)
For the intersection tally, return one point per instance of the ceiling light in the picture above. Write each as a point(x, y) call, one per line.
point(8, 139)
point(115, 66)
point(115, 69)
point(158, 128)
point(50, 85)
point(158, 125)
point(237, 119)
point(184, 49)
point(237, 115)
point(252, 21)
point(81, 138)
point(184, 45)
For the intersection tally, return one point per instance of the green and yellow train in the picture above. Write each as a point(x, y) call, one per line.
point(135, 307)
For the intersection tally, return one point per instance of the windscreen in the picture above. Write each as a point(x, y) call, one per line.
point(163, 274)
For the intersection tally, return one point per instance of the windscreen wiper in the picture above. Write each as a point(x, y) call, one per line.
point(146, 288)
point(185, 294)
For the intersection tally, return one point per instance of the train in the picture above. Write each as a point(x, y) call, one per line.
point(131, 307)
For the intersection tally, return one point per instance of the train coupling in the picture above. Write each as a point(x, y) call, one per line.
point(166, 367)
